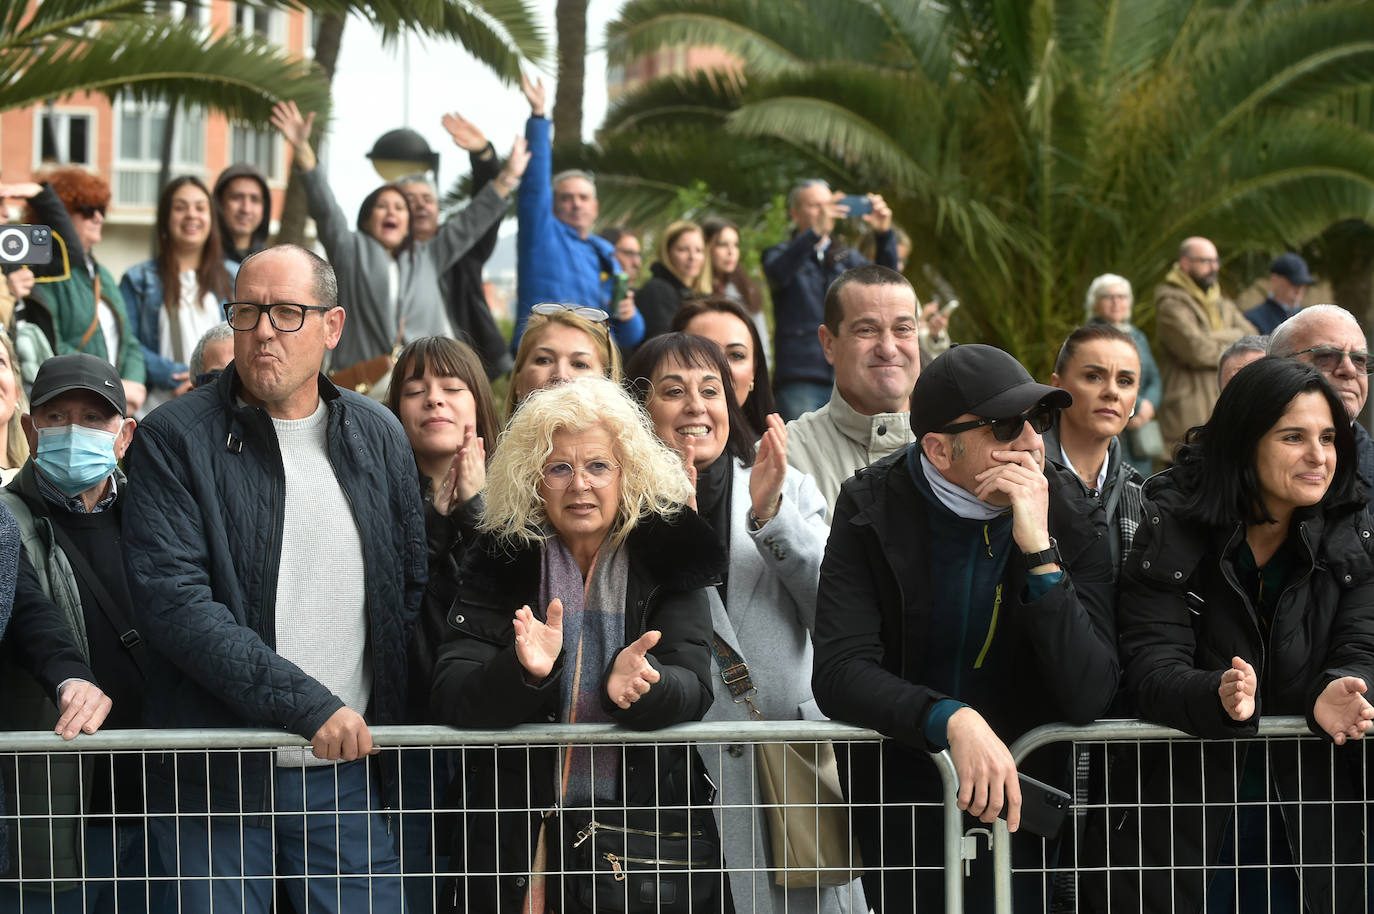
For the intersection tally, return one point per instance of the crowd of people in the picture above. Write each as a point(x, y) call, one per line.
point(249, 486)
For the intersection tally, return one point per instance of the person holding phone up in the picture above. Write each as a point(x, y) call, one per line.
point(965, 598)
point(799, 270)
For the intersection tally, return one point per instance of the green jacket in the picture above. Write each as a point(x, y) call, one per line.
point(71, 300)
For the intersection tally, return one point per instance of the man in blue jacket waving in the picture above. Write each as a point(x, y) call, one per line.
point(559, 259)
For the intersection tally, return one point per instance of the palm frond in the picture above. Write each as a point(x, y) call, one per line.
point(241, 76)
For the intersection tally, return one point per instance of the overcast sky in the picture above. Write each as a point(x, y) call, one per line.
point(369, 99)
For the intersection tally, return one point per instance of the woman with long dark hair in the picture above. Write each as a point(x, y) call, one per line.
point(727, 324)
point(179, 294)
point(729, 279)
point(1250, 593)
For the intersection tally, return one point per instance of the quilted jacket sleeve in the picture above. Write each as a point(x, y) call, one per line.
point(176, 604)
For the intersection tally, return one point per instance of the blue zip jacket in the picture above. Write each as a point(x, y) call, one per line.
point(555, 263)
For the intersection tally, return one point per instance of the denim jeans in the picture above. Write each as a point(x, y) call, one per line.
point(328, 843)
point(137, 869)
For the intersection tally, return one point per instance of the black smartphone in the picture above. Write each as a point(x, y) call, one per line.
point(859, 205)
point(1043, 807)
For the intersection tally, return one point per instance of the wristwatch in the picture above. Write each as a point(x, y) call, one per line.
point(1048, 556)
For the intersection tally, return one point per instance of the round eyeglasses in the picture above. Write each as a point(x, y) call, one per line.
point(285, 317)
point(598, 474)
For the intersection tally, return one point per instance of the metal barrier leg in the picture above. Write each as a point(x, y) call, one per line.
point(954, 834)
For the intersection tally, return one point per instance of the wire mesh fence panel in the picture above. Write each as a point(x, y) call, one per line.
point(1161, 821)
point(700, 818)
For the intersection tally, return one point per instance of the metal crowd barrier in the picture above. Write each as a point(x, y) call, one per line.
point(1148, 797)
point(1106, 765)
point(41, 817)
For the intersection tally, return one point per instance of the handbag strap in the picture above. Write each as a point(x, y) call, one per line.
point(95, 312)
point(734, 672)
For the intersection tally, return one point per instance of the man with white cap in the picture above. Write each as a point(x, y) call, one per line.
point(965, 598)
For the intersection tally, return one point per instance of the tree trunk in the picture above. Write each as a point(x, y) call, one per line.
point(571, 18)
point(293, 211)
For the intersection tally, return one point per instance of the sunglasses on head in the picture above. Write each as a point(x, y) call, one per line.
point(1040, 417)
point(88, 212)
point(582, 311)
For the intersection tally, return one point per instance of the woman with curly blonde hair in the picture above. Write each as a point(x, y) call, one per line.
point(585, 599)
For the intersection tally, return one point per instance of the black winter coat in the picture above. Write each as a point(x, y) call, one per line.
point(202, 537)
point(1183, 615)
point(1056, 655)
point(659, 299)
point(479, 683)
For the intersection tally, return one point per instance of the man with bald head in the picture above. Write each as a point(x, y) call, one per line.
point(1329, 338)
point(1195, 325)
point(276, 557)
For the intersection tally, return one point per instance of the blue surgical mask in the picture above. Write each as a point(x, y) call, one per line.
point(74, 458)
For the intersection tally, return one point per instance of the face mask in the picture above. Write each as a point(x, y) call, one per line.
point(74, 458)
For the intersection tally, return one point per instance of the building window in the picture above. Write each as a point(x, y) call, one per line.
point(256, 147)
point(65, 138)
point(197, 11)
point(267, 23)
point(139, 146)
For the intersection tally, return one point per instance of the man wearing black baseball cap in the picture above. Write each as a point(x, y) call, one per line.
point(68, 499)
point(1288, 281)
point(965, 598)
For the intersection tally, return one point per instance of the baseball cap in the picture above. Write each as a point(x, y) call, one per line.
point(1292, 268)
point(977, 379)
point(78, 371)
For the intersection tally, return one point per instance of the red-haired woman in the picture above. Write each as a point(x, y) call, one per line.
point(81, 297)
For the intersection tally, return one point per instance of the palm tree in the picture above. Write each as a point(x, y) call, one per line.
point(1026, 146)
point(57, 47)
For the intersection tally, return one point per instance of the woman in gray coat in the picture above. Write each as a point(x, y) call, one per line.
point(771, 519)
point(388, 282)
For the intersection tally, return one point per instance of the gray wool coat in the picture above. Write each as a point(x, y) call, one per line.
point(364, 267)
point(771, 593)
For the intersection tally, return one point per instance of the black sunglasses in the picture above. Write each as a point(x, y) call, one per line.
point(88, 212)
point(1040, 417)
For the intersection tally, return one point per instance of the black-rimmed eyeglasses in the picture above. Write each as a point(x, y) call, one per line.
point(286, 317)
point(582, 311)
point(1040, 417)
point(1329, 358)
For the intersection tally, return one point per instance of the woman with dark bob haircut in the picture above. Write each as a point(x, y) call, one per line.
point(1250, 592)
point(728, 325)
point(770, 519)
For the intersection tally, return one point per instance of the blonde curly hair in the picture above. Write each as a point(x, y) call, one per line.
point(652, 477)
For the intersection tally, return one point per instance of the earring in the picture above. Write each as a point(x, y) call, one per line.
point(751, 386)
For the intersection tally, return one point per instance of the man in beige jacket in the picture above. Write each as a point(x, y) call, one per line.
point(1195, 323)
point(870, 337)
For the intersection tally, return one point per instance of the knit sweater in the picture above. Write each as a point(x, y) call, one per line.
point(321, 609)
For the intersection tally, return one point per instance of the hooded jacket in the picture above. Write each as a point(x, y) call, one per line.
point(259, 238)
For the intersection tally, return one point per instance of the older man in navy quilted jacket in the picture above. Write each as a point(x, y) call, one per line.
point(277, 556)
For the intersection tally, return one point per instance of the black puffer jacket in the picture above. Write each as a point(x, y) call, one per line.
point(1182, 617)
point(202, 538)
point(480, 683)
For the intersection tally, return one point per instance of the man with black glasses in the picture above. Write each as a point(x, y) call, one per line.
point(276, 555)
point(965, 598)
point(1329, 338)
